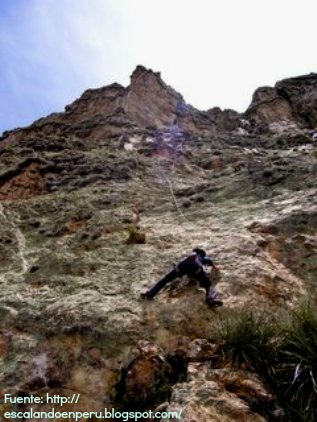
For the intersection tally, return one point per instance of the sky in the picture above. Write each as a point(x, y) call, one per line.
point(214, 52)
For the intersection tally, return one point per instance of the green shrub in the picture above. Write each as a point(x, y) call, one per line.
point(136, 236)
point(297, 360)
point(282, 350)
point(247, 340)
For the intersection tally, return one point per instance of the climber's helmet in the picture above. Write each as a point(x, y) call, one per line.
point(200, 252)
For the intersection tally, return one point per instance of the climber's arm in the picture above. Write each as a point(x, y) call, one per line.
point(208, 261)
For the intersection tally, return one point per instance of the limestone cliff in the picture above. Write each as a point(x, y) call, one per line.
point(98, 202)
point(290, 105)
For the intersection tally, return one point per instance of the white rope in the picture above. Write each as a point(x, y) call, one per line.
point(173, 196)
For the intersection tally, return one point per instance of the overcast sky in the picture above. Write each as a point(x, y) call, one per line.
point(214, 52)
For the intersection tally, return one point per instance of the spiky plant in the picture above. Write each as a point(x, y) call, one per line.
point(297, 361)
point(282, 350)
point(247, 340)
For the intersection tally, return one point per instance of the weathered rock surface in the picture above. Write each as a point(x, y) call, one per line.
point(288, 107)
point(223, 395)
point(108, 111)
point(77, 189)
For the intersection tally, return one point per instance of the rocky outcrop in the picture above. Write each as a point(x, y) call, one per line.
point(291, 240)
point(288, 107)
point(114, 110)
point(301, 93)
point(23, 182)
point(226, 120)
point(223, 395)
point(268, 108)
point(151, 102)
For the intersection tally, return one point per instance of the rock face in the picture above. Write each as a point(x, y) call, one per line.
point(100, 201)
point(219, 395)
point(23, 182)
point(100, 113)
point(226, 120)
point(289, 106)
point(301, 93)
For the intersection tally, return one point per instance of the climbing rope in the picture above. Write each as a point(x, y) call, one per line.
point(173, 196)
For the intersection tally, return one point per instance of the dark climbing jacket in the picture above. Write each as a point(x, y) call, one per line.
point(193, 264)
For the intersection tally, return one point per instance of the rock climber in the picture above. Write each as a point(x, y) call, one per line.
point(193, 266)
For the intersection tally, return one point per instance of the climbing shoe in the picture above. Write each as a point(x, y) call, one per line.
point(213, 300)
point(146, 295)
point(214, 303)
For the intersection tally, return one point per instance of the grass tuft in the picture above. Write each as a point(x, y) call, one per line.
point(247, 340)
point(281, 349)
point(297, 361)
